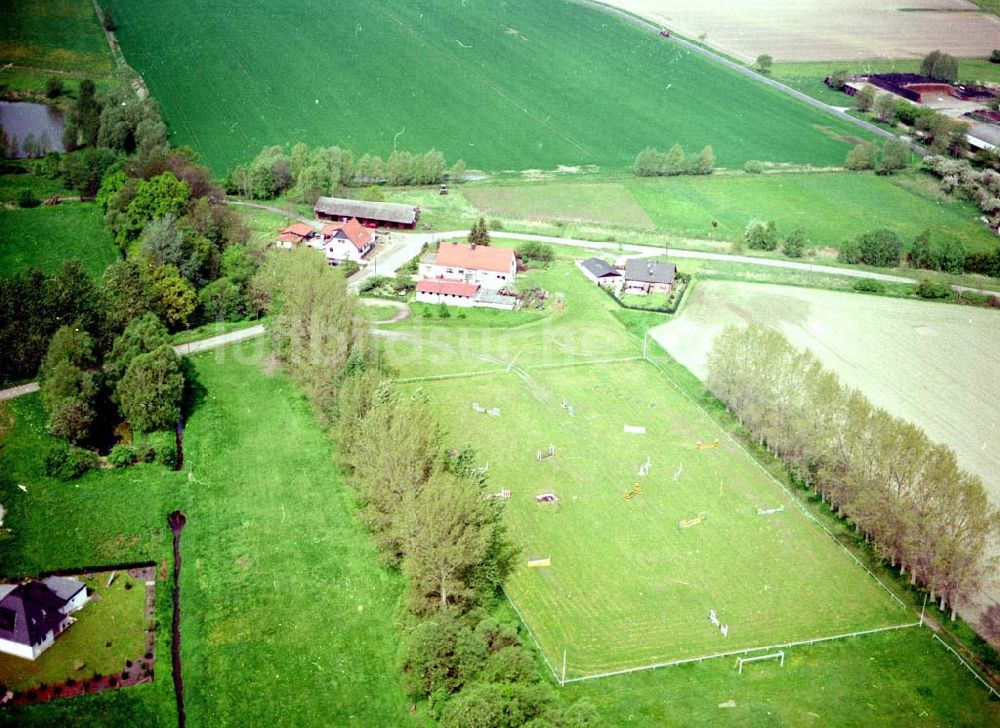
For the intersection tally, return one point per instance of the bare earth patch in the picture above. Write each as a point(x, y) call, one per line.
point(826, 30)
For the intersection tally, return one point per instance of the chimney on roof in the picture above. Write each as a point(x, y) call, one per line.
point(472, 246)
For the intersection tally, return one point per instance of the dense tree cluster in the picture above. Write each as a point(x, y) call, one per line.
point(981, 187)
point(895, 155)
point(307, 173)
point(940, 66)
point(881, 248)
point(904, 493)
point(652, 163)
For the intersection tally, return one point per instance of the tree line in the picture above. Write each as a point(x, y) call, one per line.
point(309, 172)
point(652, 163)
point(426, 506)
point(904, 493)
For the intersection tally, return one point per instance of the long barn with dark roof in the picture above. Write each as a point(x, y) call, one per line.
point(369, 214)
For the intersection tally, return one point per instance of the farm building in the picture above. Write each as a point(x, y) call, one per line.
point(294, 235)
point(644, 276)
point(483, 264)
point(34, 613)
point(600, 272)
point(465, 274)
point(346, 241)
point(369, 214)
point(464, 295)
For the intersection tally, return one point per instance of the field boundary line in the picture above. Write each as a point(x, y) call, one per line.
point(777, 482)
point(456, 375)
point(594, 362)
point(731, 653)
point(968, 667)
point(531, 634)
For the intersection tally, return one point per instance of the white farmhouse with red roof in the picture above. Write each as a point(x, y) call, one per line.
point(464, 274)
point(346, 241)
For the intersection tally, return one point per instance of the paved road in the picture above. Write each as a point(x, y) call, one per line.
point(741, 69)
point(193, 347)
point(644, 250)
point(399, 249)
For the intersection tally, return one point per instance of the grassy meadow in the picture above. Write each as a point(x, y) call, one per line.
point(43, 237)
point(286, 613)
point(505, 86)
point(59, 34)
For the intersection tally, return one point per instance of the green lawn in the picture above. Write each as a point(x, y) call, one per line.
point(286, 613)
point(43, 237)
point(601, 203)
point(627, 586)
point(117, 616)
point(515, 85)
point(831, 207)
point(62, 34)
point(901, 678)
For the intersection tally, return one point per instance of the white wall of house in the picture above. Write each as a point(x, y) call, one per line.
point(337, 250)
point(486, 278)
point(17, 649)
point(76, 602)
point(451, 300)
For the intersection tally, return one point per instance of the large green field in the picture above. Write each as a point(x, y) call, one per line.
point(59, 34)
point(628, 586)
point(43, 237)
point(512, 85)
point(830, 206)
point(287, 618)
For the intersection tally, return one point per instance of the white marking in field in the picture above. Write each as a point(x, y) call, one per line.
point(635, 430)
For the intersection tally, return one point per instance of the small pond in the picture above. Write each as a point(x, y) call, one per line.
point(31, 127)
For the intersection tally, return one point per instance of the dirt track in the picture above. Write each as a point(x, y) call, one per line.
point(822, 30)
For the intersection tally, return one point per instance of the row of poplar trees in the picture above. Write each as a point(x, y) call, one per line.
point(427, 507)
point(903, 492)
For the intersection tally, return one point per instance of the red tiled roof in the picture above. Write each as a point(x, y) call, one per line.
point(480, 257)
point(289, 238)
point(299, 229)
point(353, 230)
point(451, 288)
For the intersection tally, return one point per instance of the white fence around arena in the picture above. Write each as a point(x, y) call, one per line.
point(730, 653)
point(968, 667)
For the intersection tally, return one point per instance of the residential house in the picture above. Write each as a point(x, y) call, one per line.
point(369, 214)
point(464, 274)
point(600, 272)
point(294, 235)
point(346, 241)
point(644, 276)
point(490, 267)
point(34, 613)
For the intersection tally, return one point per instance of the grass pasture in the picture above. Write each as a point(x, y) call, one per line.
point(600, 203)
point(59, 34)
point(517, 85)
point(627, 586)
point(43, 237)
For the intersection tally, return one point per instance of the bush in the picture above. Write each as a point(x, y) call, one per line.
point(66, 462)
point(26, 198)
point(995, 56)
point(937, 291)
point(122, 455)
point(861, 157)
point(443, 311)
point(795, 243)
point(753, 166)
point(535, 251)
point(163, 445)
point(350, 267)
point(372, 283)
point(881, 248)
point(759, 235)
point(867, 285)
point(53, 87)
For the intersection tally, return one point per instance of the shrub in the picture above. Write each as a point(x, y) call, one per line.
point(53, 87)
point(861, 157)
point(867, 285)
point(66, 462)
point(795, 243)
point(753, 166)
point(926, 289)
point(759, 235)
point(877, 247)
point(372, 283)
point(26, 198)
point(496, 224)
point(995, 56)
point(535, 251)
point(163, 444)
point(443, 311)
point(350, 267)
point(122, 455)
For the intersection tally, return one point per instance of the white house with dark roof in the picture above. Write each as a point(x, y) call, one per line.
point(600, 272)
point(34, 613)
